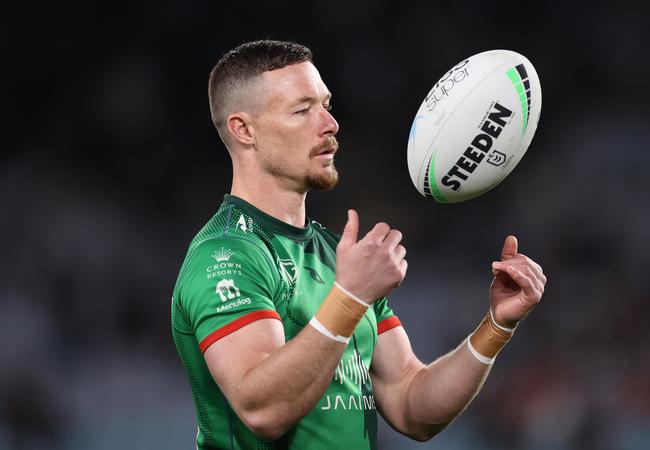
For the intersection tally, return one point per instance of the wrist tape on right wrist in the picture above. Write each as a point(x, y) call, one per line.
point(339, 314)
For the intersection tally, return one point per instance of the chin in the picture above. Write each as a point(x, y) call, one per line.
point(322, 181)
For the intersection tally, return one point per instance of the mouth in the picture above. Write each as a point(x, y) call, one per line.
point(326, 152)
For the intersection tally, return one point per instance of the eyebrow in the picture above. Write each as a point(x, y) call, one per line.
point(312, 99)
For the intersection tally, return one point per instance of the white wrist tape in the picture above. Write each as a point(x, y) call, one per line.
point(351, 295)
point(501, 327)
point(478, 356)
point(314, 322)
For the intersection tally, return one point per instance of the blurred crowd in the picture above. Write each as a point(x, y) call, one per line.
point(110, 164)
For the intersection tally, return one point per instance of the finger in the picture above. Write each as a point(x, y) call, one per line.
point(378, 233)
point(521, 260)
point(523, 265)
point(403, 266)
point(539, 271)
point(536, 268)
point(400, 252)
point(351, 230)
point(510, 246)
point(524, 282)
point(530, 273)
point(393, 238)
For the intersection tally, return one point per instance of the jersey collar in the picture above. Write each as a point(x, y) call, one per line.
point(269, 221)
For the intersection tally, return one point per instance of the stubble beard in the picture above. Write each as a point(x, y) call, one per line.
point(315, 179)
point(322, 181)
point(318, 180)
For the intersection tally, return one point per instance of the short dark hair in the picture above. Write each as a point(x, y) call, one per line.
point(240, 66)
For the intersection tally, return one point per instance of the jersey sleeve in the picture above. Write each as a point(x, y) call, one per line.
point(227, 284)
point(386, 318)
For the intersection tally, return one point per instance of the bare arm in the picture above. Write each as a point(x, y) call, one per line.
point(272, 385)
point(420, 400)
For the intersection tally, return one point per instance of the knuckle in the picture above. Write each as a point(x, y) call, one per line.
point(532, 263)
point(369, 243)
point(382, 226)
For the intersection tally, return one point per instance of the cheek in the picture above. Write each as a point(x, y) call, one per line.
point(294, 145)
point(287, 141)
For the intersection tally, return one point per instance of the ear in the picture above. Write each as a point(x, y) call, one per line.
point(240, 128)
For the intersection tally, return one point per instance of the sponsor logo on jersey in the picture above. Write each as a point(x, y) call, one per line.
point(235, 304)
point(223, 268)
point(353, 370)
point(288, 271)
point(222, 254)
point(227, 290)
point(338, 401)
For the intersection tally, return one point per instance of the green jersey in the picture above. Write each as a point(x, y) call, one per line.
point(243, 266)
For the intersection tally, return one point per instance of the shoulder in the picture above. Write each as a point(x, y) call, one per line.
point(225, 252)
point(221, 265)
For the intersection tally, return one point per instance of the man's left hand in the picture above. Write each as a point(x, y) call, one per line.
point(517, 287)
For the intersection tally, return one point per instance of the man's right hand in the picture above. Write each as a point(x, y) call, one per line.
point(372, 267)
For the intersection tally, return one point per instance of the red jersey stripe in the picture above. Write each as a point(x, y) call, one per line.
point(388, 324)
point(236, 325)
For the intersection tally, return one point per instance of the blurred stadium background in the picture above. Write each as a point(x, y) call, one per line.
point(110, 163)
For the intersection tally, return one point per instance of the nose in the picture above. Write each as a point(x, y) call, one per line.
point(329, 125)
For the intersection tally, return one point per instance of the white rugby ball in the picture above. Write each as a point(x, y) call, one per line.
point(474, 126)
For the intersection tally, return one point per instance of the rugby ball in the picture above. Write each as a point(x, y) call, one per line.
point(474, 126)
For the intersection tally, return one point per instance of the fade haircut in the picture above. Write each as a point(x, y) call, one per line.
point(236, 72)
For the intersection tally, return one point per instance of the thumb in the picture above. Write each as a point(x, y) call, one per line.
point(351, 230)
point(509, 249)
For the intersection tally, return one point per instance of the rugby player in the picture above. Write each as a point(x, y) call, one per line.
point(283, 327)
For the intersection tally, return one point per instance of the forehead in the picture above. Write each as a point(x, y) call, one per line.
point(291, 83)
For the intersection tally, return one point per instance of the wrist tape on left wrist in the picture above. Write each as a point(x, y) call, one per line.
point(488, 339)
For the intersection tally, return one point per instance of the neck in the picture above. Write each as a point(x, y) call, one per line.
point(268, 194)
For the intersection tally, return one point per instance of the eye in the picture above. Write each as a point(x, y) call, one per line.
point(302, 111)
point(328, 106)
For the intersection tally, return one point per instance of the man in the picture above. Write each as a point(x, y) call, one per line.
point(284, 330)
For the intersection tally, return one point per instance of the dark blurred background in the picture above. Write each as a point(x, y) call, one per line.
point(110, 164)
